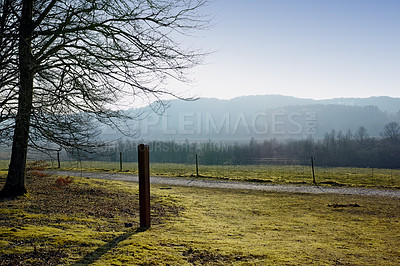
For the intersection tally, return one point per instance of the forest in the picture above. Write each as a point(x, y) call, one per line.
point(336, 149)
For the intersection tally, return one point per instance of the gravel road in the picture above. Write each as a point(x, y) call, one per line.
point(237, 185)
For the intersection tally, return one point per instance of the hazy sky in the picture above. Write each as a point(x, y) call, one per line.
point(305, 48)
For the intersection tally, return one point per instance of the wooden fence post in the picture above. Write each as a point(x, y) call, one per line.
point(197, 166)
point(120, 161)
point(313, 174)
point(144, 185)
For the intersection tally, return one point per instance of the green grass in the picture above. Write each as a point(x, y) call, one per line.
point(59, 223)
point(228, 227)
point(279, 174)
point(296, 174)
point(84, 224)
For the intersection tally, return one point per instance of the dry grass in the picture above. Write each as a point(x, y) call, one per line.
point(60, 221)
point(93, 221)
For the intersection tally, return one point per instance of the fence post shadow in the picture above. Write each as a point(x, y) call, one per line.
point(100, 251)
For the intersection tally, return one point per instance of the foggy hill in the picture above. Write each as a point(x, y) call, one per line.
point(265, 117)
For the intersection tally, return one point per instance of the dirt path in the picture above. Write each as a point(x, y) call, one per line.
point(238, 185)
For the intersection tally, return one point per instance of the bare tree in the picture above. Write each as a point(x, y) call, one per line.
point(8, 62)
point(361, 135)
point(392, 132)
point(67, 62)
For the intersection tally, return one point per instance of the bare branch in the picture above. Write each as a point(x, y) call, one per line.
point(90, 55)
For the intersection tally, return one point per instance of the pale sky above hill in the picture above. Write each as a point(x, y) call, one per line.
point(305, 48)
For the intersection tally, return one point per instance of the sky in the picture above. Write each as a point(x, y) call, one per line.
point(317, 49)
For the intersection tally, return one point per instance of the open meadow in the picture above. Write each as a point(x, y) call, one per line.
point(79, 221)
point(280, 174)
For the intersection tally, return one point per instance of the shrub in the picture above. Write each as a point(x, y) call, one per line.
point(63, 181)
point(36, 169)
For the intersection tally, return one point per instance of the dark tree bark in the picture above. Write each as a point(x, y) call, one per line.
point(15, 183)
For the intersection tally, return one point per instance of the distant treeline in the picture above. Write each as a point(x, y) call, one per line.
point(349, 149)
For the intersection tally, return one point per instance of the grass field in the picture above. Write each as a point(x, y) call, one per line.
point(90, 221)
point(286, 174)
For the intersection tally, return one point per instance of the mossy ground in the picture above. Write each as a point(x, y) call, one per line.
point(61, 222)
point(86, 222)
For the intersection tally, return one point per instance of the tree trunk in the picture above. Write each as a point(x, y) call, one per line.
point(15, 183)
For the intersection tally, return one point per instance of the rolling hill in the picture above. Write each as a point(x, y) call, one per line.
point(262, 117)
